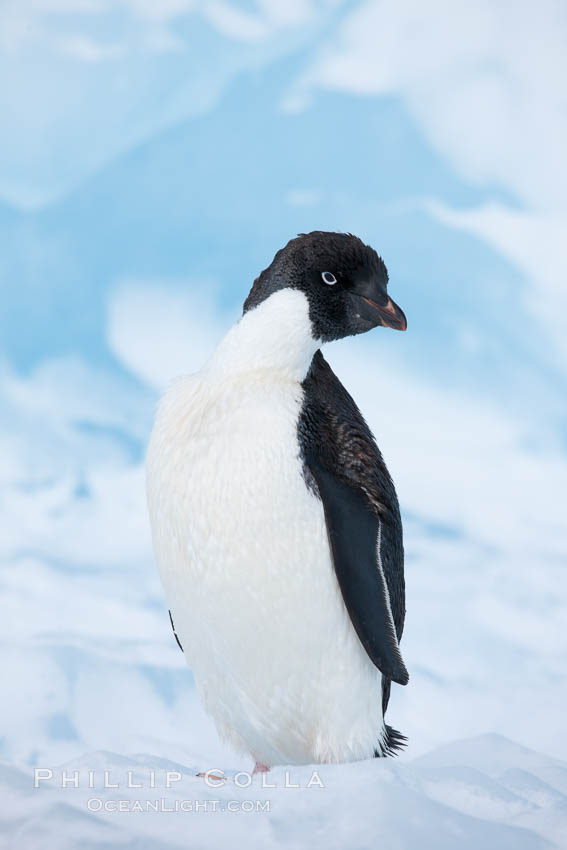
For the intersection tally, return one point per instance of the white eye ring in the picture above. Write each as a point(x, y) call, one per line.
point(329, 278)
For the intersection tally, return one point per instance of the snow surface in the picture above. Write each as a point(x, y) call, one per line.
point(439, 801)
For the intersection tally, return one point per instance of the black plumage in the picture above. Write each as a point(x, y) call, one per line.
point(175, 633)
point(356, 303)
point(344, 466)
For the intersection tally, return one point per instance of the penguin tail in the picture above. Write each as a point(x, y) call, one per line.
point(392, 743)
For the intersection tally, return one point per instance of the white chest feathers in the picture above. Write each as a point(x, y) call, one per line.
point(242, 549)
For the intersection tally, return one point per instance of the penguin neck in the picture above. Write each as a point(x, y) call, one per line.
point(275, 336)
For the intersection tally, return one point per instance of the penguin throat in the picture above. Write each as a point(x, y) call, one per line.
point(275, 335)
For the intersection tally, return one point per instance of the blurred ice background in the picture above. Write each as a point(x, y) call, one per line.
point(153, 157)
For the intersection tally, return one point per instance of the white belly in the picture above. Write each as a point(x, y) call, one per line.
point(242, 549)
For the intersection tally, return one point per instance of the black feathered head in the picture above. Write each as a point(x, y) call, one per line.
point(344, 280)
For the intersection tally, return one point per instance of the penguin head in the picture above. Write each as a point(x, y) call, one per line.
point(344, 281)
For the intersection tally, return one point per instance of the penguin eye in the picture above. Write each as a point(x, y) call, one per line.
point(329, 278)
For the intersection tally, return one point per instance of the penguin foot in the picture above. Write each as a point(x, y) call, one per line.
point(206, 774)
point(260, 768)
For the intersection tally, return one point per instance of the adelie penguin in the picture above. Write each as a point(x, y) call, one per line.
point(275, 523)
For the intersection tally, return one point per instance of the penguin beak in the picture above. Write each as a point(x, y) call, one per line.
point(391, 315)
point(373, 305)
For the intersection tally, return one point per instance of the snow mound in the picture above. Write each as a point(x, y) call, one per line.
point(482, 792)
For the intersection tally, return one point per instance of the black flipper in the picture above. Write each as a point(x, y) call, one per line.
point(355, 536)
point(175, 633)
point(344, 467)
